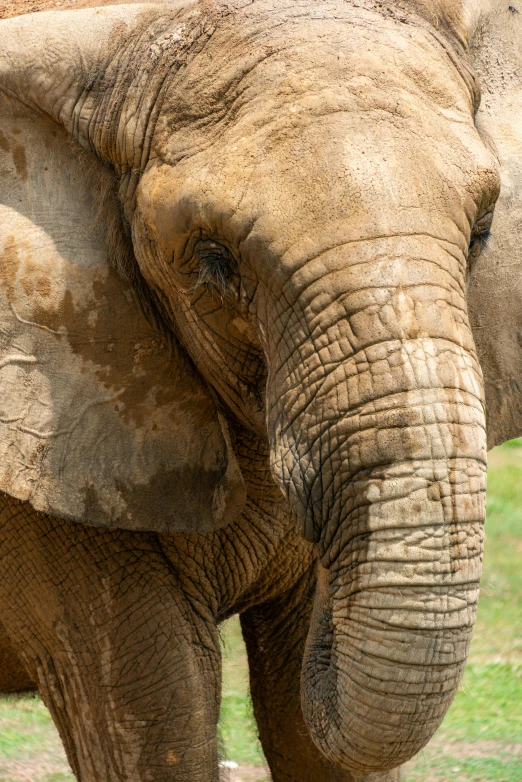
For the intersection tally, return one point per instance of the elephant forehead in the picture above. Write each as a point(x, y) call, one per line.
point(334, 122)
point(296, 190)
point(343, 58)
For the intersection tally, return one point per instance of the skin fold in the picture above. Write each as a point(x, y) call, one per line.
point(269, 226)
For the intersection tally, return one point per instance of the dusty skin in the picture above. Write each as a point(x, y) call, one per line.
point(249, 316)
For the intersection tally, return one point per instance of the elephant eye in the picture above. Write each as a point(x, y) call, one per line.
point(479, 238)
point(216, 269)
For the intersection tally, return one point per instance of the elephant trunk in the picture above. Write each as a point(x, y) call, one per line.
point(383, 455)
point(393, 613)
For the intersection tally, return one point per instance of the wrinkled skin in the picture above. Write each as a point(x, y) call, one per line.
point(306, 192)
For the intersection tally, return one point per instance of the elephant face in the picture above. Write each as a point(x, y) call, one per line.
point(331, 215)
point(308, 196)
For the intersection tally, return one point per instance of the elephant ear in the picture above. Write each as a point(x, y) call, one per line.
point(102, 419)
point(495, 286)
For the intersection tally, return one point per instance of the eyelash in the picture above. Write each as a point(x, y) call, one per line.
point(482, 238)
point(217, 274)
point(479, 238)
point(214, 273)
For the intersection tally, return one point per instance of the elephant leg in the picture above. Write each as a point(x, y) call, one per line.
point(13, 675)
point(129, 673)
point(274, 634)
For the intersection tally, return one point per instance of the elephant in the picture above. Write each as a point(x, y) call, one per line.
point(260, 304)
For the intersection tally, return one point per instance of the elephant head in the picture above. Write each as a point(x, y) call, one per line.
point(305, 194)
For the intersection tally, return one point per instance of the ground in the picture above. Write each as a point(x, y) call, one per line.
point(481, 737)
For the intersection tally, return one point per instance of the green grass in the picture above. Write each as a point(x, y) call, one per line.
point(488, 705)
point(479, 741)
point(237, 728)
point(25, 723)
point(512, 444)
point(429, 768)
point(238, 731)
point(29, 744)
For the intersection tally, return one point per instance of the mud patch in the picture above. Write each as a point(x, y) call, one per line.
point(20, 161)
